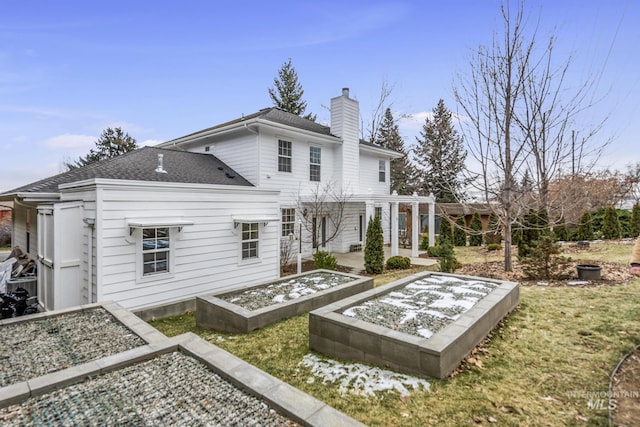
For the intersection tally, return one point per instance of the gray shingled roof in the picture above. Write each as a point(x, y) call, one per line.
point(140, 165)
point(277, 115)
point(273, 114)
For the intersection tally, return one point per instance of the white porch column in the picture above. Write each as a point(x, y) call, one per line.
point(432, 221)
point(370, 211)
point(394, 228)
point(415, 227)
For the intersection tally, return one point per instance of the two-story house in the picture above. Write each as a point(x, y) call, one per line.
point(207, 211)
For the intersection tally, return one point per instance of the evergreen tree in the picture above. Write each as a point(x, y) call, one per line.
point(493, 233)
point(475, 237)
point(287, 92)
point(402, 171)
point(611, 224)
point(585, 227)
point(373, 248)
point(635, 220)
point(459, 234)
point(560, 230)
point(445, 234)
point(112, 143)
point(440, 157)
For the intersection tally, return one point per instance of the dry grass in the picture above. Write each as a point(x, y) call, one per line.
point(562, 342)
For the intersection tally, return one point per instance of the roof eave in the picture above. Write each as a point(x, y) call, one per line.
point(381, 151)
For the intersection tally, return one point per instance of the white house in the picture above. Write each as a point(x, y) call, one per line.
point(204, 212)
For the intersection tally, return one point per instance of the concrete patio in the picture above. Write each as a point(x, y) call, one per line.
point(355, 260)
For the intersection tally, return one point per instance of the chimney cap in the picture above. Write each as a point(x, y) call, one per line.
point(345, 91)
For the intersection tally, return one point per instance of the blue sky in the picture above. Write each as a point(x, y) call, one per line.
point(160, 70)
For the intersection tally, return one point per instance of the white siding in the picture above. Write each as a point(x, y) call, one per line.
point(369, 182)
point(207, 253)
point(239, 154)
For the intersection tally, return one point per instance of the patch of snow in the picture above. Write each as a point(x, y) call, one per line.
point(358, 379)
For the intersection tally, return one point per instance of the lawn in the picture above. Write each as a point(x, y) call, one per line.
point(538, 367)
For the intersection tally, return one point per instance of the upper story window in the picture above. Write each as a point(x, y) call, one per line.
point(288, 221)
point(284, 156)
point(382, 169)
point(314, 163)
point(250, 239)
point(156, 250)
point(378, 212)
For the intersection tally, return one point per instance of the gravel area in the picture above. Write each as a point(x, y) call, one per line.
point(36, 347)
point(423, 307)
point(285, 290)
point(170, 390)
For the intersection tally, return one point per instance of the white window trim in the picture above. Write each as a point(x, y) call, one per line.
point(319, 164)
point(140, 277)
point(282, 223)
point(253, 260)
point(382, 168)
point(290, 156)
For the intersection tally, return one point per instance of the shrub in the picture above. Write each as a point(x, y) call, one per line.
point(325, 260)
point(373, 248)
point(475, 237)
point(445, 231)
point(398, 262)
point(635, 221)
point(544, 262)
point(560, 230)
point(446, 257)
point(611, 224)
point(494, 247)
point(494, 230)
point(585, 227)
point(424, 242)
point(459, 233)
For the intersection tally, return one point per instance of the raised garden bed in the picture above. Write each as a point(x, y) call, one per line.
point(44, 343)
point(253, 307)
point(179, 381)
point(424, 324)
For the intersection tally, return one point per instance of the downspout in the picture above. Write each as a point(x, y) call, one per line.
point(90, 225)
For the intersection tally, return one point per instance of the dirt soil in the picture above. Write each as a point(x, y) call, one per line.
point(625, 389)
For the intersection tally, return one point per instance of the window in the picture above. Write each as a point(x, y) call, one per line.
point(288, 221)
point(314, 163)
point(378, 212)
point(249, 240)
point(382, 169)
point(156, 249)
point(284, 156)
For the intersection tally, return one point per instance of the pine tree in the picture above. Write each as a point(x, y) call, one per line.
point(560, 230)
point(475, 237)
point(611, 224)
point(287, 92)
point(112, 143)
point(493, 233)
point(635, 220)
point(445, 235)
point(373, 248)
point(585, 227)
point(402, 171)
point(440, 157)
point(459, 234)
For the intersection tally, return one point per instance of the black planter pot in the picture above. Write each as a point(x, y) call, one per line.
point(589, 271)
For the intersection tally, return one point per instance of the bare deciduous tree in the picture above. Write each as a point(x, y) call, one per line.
point(322, 210)
point(520, 112)
point(371, 128)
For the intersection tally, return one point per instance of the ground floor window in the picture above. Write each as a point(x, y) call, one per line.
point(288, 221)
point(250, 239)
point(156, 248)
